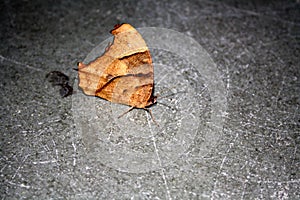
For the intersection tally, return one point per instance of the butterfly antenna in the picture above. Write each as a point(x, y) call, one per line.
point(164, 105)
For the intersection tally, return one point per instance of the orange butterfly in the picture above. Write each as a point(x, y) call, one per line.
point(124, 73)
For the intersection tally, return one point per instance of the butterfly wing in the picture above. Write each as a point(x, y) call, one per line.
point(124, 73)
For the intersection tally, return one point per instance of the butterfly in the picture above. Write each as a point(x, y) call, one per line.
point(124, 73)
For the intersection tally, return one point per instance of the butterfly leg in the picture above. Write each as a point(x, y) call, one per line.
point(130, 109)
point(152, 117)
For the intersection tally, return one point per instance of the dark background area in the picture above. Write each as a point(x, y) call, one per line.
point(255, 45)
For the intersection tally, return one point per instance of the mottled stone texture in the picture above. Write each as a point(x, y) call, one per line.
point(255, 46)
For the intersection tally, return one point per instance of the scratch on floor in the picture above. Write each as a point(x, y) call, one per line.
point(19, 63)
point(222, 164)
point(20, 185)
point(44, 162)
point(19, 167)
point(74, 157)
point(168, 194)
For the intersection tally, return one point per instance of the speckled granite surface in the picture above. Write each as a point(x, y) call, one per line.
point(253, 155)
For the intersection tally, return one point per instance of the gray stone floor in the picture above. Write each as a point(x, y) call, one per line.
point(254, 154)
